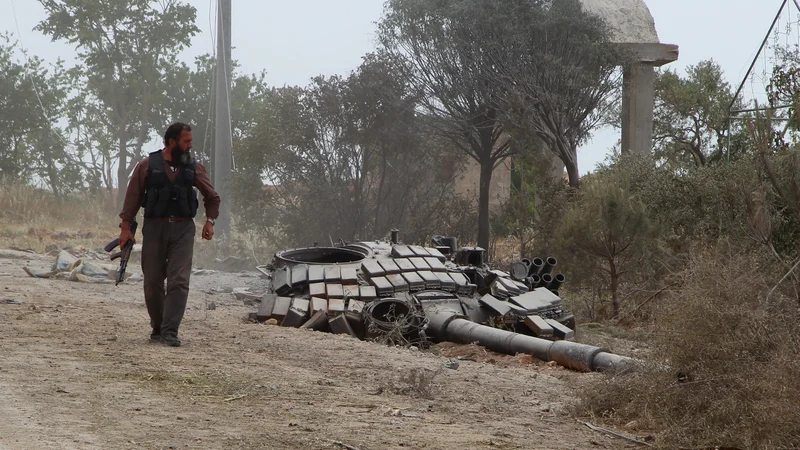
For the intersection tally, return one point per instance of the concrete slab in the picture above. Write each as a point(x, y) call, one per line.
point(499, 307)
point(653, 53)
point(349, 275)
point(499, 290)
point(415, 282)
point(293, 318)
point(405, 265)
point(382, 286)
point(510, 286)
point(389, 266)
point(350, 291)
point(333, 273)
point(299, 275)
point(500, 273)
point(560, 330)
point(462, 283)
point(419, 251)
point(266, 307)
point(436, 265)
point(282, 305)
point(301, 304)
point(401, 251)
point(355, 317)
point(419, 263)
point(399, 283)
point(436, 254)
point(431, 280)
point(446, 283)
point(316, 274)
point(317, 290)
point(356, 306)
point(531, 303)
point(282, 281)
point(335, 306)
point(521, 286)
point(367, 293)
point(334, 291)
point(340, 325)
point(318, 304)
point(539, 326)
point(545, 295)
point(372, 269)
point(297, 314)
point(318, 322)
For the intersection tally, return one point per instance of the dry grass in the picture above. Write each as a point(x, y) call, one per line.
point(416, 382)
point(733, 363)
point(34, 219)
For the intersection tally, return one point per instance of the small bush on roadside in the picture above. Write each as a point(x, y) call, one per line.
point(726, 360)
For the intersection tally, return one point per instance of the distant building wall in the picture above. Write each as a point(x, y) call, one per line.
point(468, 183)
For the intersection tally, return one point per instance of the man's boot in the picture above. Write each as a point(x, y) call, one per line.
point(171, 340)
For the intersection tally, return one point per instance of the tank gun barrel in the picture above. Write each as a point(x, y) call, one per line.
point(446, 324)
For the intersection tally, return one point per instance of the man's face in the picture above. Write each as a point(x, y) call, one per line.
point(184, 144)
point(180, 152)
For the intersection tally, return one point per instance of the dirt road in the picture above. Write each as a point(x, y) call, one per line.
point(77, 370)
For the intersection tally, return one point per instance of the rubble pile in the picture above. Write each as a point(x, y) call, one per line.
point(71, 268)
point(373, 289)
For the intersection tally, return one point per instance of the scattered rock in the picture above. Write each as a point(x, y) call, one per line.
point(204, 272)
point(68, 267)
point(452, 364)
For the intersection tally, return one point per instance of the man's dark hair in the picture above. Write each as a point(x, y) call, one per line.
point(174, 131)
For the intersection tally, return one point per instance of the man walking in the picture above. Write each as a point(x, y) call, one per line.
point(163, 184)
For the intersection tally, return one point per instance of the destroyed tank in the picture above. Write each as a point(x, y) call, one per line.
point(410, 294)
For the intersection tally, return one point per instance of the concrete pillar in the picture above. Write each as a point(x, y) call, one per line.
point(638, 101)
point(638, 94)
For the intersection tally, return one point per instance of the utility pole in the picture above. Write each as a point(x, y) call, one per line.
point(223, 141)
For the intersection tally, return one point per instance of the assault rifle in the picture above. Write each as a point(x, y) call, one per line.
point(124, 254)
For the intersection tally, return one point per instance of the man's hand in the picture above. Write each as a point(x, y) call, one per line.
point(125, 235)
point(208, 231)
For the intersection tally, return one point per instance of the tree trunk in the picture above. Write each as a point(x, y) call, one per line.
point(574, 175)
point(52, 175)
point(487, 167)
point(614, 287)
point(568, 154)
point(376, 231)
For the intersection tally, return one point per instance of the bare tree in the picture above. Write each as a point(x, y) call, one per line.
point(444, 43)
point(559, 74)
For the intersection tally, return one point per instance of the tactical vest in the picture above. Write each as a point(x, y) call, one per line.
point(164, 198)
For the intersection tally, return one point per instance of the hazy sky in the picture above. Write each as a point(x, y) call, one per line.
point(296, 40)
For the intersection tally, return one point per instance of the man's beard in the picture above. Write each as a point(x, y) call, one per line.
point(180, 156)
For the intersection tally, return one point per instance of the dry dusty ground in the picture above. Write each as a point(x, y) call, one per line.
point(77, 370)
